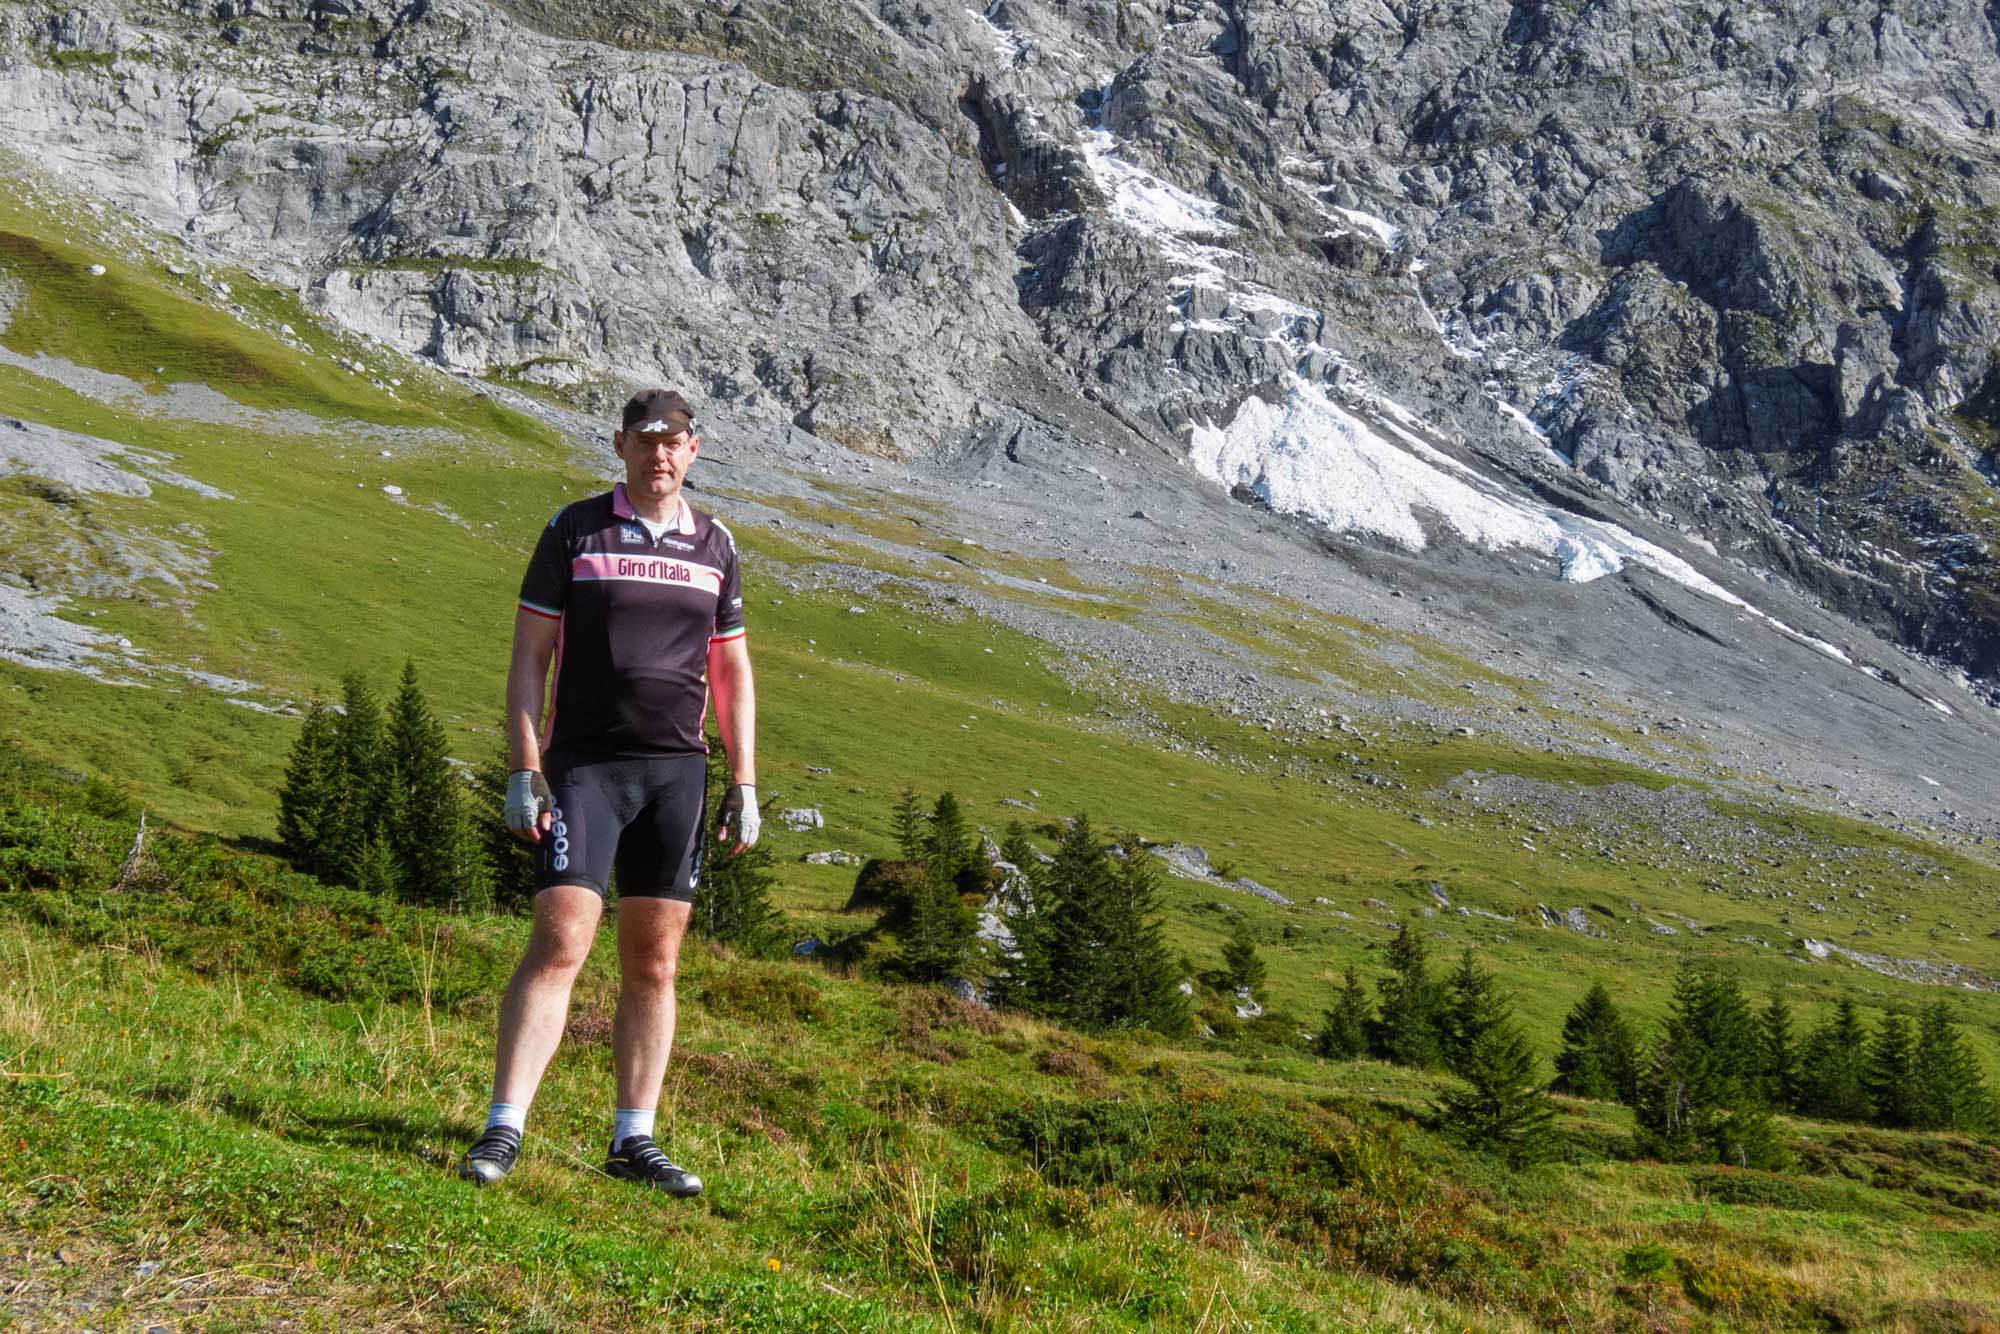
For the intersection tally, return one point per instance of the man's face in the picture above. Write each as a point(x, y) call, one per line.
point(655, 462)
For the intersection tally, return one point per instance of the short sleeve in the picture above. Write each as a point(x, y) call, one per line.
point(545, 587)
point(728, 602)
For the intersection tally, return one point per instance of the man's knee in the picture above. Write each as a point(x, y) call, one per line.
point(565, 927)
point(652, 971)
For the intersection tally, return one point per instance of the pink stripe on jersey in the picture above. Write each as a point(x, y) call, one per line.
point(645, 569)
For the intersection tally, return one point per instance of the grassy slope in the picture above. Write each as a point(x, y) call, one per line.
point(316, 575)
point(306, 588)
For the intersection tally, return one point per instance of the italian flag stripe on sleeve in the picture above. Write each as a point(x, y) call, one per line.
point(539, 610)
point(722, 635)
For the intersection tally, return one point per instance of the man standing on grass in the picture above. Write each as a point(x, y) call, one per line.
point(635, 596)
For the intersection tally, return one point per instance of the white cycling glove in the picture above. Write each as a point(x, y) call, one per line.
point(739, 816)
point(528, 796)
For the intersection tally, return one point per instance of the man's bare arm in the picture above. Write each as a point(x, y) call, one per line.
point(527, 689)
point(735, 706)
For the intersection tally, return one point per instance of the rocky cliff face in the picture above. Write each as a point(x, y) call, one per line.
point(1736, 269)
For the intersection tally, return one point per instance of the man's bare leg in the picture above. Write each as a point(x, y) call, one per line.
point(642, 1036)
point(537, 1002)
point(642, 1033)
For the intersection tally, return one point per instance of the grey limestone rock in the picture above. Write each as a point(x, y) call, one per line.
point(1733, 268)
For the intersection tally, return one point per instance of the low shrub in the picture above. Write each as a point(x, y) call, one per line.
point(1358, 1196)
point(201, 903)
point(1772, 1190)
point(767, 993)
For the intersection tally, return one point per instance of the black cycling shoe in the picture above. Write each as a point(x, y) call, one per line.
point(491, 1156)
point(639, 1159)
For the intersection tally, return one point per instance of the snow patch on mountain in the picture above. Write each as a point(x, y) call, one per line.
point(1006, 45)
point(1388, 233)
point(1154, 208)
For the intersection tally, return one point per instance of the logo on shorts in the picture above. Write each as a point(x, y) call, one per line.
point(630, 533)
point(560, 848)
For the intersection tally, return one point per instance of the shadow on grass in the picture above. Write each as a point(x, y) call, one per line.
point(420, 1136)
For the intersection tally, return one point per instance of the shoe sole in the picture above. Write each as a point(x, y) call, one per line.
point(649, 1184)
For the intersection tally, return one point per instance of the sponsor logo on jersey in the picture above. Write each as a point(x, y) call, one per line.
point(659, 571)
point(630, 533)
point(677, 544)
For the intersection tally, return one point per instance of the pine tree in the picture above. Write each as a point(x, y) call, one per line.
point(366, 790)
point(1469, 1007)
point(308, 803)
point(909, 824)
point(1891, 1073)
point(424, 811)
point(1344, 1035)
point(1778, 1066)
point(1406, 1028)
point(1598, 1058)
point(732, 895)
point(1242, 967)
point(1948, 1092)
point(950, 846)
point(1832, 1068)
point(938, 933)
point(1501, 1106)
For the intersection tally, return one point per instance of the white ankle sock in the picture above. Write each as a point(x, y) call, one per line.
point(507, 1114)
point(629, 1121)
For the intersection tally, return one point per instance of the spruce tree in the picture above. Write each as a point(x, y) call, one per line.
point(373, 870)
point(1407, 1023)
point(1016, 850)
point(732, 897)
point(366, 789)
point(1241, 966)
point(1598, 1058)
point(1891, 1074)
point(508, 861)
point(1750, 1137)
point(1344, 1035)
point(1143, 991)
point(1501, 1106)
point(1007, 986)
point(1469, 1006)
point(424, 812)
point(309, 801)
point(909, 824)
point(1066, 968)
point(950, 846)
point(1833, 1067)
point(938, 933)
point(1948, 1092)
point(1092, 952)
point(1703, 1064)
point(1778, 1055)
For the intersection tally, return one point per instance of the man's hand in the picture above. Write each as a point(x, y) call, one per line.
point(739, 816)
point(530, 805)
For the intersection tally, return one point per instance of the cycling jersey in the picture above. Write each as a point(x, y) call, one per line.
point(637, 614)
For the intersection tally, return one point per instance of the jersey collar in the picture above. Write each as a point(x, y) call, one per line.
point(683, 512)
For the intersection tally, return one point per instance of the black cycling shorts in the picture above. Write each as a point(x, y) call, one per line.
point(646, 816)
